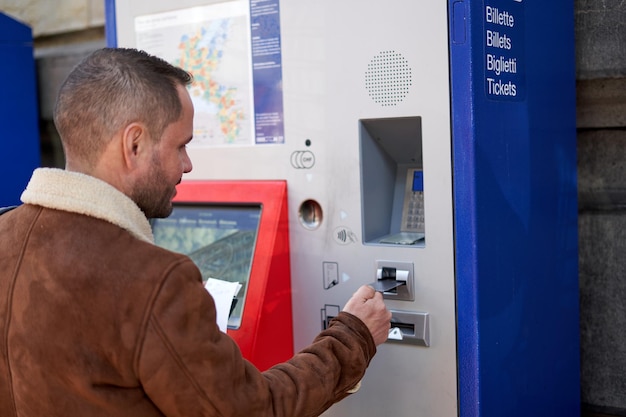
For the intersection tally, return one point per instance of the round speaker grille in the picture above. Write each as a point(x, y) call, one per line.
point(388, 78)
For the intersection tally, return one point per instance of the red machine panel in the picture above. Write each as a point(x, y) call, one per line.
point(239, 231)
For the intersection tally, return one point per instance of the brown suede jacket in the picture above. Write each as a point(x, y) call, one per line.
point(95, 320)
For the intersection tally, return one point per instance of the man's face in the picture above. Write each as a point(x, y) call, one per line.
point(169, 162)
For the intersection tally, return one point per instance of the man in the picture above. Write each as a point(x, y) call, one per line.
point(95, 320)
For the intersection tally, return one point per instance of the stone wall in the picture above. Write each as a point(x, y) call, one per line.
point(601, 112)
point(56, 17)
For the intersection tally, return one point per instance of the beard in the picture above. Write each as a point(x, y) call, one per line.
point(154, 195)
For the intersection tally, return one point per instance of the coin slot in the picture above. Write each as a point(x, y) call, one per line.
point(310, 214)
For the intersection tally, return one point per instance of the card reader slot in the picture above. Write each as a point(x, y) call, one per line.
point(394, 279)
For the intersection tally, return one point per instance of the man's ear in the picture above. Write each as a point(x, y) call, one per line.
point(135, 141)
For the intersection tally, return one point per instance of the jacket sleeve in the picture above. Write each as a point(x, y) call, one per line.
point(188, 367)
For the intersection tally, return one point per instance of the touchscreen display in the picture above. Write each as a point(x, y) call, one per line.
point(220, 239)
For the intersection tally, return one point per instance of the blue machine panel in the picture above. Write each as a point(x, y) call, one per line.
point(18, 110)
point(514, 157)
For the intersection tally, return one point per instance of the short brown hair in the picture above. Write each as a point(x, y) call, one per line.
point(111, 88)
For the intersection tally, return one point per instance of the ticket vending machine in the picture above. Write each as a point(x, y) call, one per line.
point(428, 149)
point(18, 109)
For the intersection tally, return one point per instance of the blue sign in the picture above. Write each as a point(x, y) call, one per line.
point(267, 71)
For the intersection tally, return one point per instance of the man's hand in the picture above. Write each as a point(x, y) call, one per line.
point(367, 304)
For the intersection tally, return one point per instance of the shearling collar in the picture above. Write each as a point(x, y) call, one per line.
point(79, 193)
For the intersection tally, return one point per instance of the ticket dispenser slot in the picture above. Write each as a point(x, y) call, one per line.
point(411, 327)
point(392, 181)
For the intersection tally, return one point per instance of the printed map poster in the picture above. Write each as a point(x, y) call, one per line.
point(214, 43)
